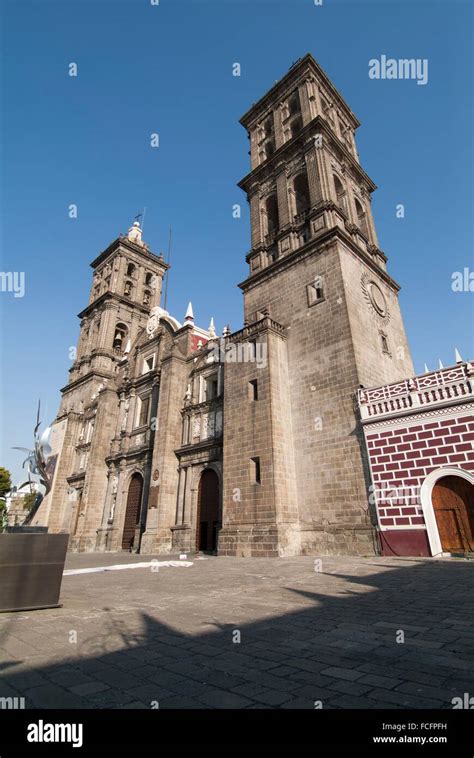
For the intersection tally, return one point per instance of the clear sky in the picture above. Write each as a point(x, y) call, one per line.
point(167, 69)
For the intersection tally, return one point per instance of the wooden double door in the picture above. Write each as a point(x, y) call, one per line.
point(453, 503)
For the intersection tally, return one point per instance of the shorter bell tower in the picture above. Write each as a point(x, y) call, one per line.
point(127, 284)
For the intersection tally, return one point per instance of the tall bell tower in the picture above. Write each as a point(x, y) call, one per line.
point(127, 284)
point(317, 278)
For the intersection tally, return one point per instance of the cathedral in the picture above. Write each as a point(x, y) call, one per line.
point(170, 438)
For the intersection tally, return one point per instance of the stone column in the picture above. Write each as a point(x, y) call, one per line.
point(314, 181)
point(181, 496)
point(279, 139)
point(304, 103)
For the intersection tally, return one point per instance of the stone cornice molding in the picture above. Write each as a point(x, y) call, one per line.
point(314, 246)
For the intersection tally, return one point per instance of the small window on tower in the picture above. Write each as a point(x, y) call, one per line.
point(268, 127)
point(340, 194)
point(269, 148)
point(119, 337)
point(146, 297)
point(301, 193)
point(315, 291)
point(255, 477)
point(384, 341)
point(361, 217)
point(127, 290)
point(294, 104)
point(296, 126)
point(131, 269)
point(149, 279)
point(253, 389)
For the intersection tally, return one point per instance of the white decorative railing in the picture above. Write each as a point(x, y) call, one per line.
point(437, 387)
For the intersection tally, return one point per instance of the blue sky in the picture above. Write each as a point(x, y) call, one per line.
point(168, 69)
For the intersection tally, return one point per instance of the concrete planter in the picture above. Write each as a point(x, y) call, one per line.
point(31, 569)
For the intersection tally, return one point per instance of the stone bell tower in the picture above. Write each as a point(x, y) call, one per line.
point(127, 283)
point(319, 296)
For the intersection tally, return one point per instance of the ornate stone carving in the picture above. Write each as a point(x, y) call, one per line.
point(196, 426)
point(154, 320)
point(374, 297)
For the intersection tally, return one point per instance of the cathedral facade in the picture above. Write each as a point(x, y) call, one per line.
point(171, 438)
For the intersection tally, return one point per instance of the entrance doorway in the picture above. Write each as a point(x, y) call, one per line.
point(132, 512)
point(208, 512)
point(453, 504)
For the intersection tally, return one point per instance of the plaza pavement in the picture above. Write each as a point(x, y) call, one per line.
point(141, 638)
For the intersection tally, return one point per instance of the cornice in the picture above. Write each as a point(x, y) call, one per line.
point(322, 242)
point(216, 442)
point(104, 301)
point(87, 378)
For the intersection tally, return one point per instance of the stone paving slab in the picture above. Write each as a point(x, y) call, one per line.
point(247, 633)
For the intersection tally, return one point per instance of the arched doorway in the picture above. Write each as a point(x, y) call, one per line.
point(453, 504)
point(208, 512)
point(132, 512)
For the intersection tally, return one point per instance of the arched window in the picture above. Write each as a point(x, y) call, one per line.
point(268, 127)
point(340, 194)
point(269, 148)
point(131, 269)
point(149, 279)
point(146, 297)
point(296, 126)
point(294, 104)
point(128, 289)
point(301, 193)
point(271, 211)
point(361, 218)
point(120, 337)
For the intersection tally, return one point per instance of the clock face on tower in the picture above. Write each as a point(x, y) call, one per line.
point(375, 297)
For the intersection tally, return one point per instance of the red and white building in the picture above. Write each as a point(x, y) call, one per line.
point(419, 436)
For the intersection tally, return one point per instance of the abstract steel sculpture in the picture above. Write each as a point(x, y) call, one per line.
point(36, 460)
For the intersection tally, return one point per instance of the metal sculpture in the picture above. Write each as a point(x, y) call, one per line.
point(37, 463)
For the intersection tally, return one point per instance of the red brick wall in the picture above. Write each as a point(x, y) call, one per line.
point(402, 456)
